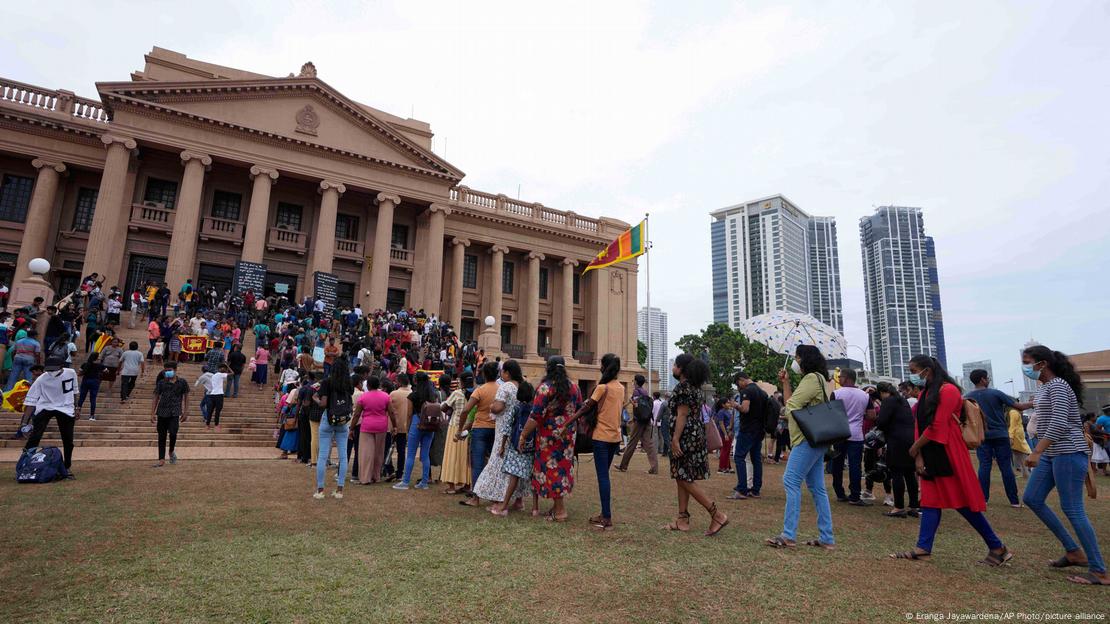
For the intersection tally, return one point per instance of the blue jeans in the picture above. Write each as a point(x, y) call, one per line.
point(233, 384)
point(748, 445)
point(806, 463)
point(930, 522)
point(481, 445)
point(21, 369)
point(90, 388)
point(604, 452)
point(327, 434)
point(204, 409)
point(423, 441)
point(853, 452)
point(988, 453)
point(1066, 473)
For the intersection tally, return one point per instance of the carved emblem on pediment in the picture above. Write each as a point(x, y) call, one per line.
point(616, 283)
point(307, 120)
point(308, 70)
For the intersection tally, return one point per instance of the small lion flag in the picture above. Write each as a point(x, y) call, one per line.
point(627, 246)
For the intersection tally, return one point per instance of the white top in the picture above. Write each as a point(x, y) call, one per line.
point(54, 391)
point(320, 305)
point(290, 375)
point(114, 306)
point(203, 381)
point(216, 383)
point(197, 325)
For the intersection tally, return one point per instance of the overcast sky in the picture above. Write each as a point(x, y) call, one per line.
point(991, 116)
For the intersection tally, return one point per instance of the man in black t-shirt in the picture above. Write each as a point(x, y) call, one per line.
point(169, 409)
point(751, 402)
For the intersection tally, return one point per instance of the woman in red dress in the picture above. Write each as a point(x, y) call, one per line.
point(947, 479)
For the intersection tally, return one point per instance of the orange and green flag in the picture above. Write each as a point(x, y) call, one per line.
point(627, 246)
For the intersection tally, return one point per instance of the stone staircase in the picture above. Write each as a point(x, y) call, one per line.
point(248, 420)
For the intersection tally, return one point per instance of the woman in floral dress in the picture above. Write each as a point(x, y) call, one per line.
point(492, 481)
point(557, 400)
point(689, 456)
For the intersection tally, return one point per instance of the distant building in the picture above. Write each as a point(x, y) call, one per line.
point(970, 366)
point(654, 320)
point(770, 255)
point(1094, 370)
point(902, 291)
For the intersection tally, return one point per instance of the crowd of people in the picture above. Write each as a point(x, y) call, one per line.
point(384, 388)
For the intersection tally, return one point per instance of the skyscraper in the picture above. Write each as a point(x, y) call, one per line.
point(770, 255)
point(970, 366)
point(902, 289)
point(655, 320)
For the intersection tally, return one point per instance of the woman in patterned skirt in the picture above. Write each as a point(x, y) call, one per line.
point(491, 483)
point(518, 463)
point(553, 409)
point(689, 456)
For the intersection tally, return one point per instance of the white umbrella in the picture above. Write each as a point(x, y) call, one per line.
point(782, 332)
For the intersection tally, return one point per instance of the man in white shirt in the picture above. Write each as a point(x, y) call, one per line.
point(216, 394)
point(53, 395)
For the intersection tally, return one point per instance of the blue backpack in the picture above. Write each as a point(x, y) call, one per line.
point(40, 465)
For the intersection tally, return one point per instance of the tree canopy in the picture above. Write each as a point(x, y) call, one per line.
point(728, 351)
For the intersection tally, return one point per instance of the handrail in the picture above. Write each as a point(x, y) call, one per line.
point(58, 101)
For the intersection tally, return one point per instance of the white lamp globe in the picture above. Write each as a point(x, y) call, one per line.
point(490, 321)
point(39, 266)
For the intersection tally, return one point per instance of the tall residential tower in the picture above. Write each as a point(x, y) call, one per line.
point(654, 320)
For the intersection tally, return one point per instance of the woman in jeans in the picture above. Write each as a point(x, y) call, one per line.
point(1060, 459)
point(689, 456)
point(91, 372)
point(805, 463)
point(609, 398)
point(337, 387)
point(423, 391)
point(941, 459)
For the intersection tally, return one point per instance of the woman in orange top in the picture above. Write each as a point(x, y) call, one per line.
point(609, 398)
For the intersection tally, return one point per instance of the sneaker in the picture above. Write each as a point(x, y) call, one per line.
point(865, 495)
point(421, 486)
point(318, 496)
point(93, 418)
point(173, 458)
point(860, 503)
point(401, 486)
point(888, 501)
point(337, 494)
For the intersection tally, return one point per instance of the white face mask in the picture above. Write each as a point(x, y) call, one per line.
point(795, 367)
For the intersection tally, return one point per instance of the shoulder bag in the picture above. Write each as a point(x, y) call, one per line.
point(825, 423)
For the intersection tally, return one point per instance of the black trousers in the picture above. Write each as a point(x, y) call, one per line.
point(304, 439)
point(126, 386)
point(400, 442)
point(167, 426)
point(352, 456)
point(215, 407)
point(904, 479)
point(65, 426)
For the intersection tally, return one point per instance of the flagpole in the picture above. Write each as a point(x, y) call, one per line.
point(647, 322)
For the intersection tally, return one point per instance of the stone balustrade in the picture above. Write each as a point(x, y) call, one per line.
point(56, 101)
point(501, 204)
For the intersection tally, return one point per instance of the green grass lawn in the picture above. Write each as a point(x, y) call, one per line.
point(243, 541)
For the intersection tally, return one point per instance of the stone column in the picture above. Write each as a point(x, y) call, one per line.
point(453, 313)
point(532, 300)
point(566, 305)
point(383, 236)
point(496, 275)
point(40, 216)
point(433, 254)
point(186, 224)
point(323, 251)
point(258, 215)
point(109, 208)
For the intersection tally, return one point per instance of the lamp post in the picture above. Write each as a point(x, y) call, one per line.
point(863, 353)
point(35, 285)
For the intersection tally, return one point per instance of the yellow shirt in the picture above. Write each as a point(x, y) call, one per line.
point(806, 394)
point(609, 399)
point(484, 396)
point(1017, 433)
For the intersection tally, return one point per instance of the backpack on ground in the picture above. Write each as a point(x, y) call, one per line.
point(432, 417)
point(771, 412)
point(642, 409)
point(41, 465)
point(971, 424)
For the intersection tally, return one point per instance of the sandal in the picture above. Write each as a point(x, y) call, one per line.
point(674, 526)
point(1064, 562)
point(713, 520)
point(1086, 579)
point(912, 555)
point(551, 517)
point(820, 544)
point(469, 501)
point(499, 513)
point(779, 542)
point(997, 559)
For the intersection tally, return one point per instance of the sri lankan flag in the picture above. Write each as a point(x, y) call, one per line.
point(627, 246)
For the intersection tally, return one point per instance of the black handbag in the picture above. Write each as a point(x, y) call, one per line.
point(823, 424)
point(936, 461)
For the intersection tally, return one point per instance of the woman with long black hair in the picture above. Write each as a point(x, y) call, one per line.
point(1060, 459)
point(553, 419)
point(423, 391)
point(895, 420)
point(689, 455)
point(605, 430)
point(490, 485)
point(334, 395)
point(948, 480)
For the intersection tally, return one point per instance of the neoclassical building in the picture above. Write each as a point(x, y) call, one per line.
point(190, 167)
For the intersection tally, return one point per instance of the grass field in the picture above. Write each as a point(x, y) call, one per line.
point(243, 541)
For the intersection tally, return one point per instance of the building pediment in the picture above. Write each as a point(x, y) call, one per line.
point(301, 110)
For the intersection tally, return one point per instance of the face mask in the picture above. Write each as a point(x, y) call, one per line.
point(794, 366)
point(169, 374)
point(917, 380)
point(1030, 371)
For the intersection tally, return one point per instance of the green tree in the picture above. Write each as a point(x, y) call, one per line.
point(728, 351)
point(641, 352)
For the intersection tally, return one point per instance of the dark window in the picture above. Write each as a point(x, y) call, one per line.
point(506, 334)
point(577, 284)
point(470, 271)
point(83, 213)
point(160, 191)
point(289, 215)
point(346, 227)
point(507, 277)
point(226, 205)
point(543, 283)
point(394, 299)
point(467, 331)
point(15, 197)
point(400, 237)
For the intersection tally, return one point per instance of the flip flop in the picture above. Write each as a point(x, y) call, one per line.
point(820, 544)
point(998, 559)
point(779, 542)
point(551, 517)
point(911, 555)
point(1087, 579)
point(1064, 562)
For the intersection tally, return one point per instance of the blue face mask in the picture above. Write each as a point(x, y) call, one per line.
point(1029, 371)
point(917, 380)
point(169, 374)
